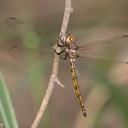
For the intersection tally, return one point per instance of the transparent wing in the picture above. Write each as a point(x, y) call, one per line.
point(103, 61)
point(114, 69)
point(113, 50)
point(105, 48)
point(111, 54)
point(29, 52)
point(18, 26)
point(108, 64)
point(28, 56)
point(109, 41)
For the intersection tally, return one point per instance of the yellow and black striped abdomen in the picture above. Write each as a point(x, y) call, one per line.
point(76, 87)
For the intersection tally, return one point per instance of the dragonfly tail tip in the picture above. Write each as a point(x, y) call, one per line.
point(84, 114)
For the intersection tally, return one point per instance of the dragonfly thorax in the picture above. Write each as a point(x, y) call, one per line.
point(67, 45)
point(72, 53)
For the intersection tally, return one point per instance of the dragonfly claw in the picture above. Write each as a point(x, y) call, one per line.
point(61, 37)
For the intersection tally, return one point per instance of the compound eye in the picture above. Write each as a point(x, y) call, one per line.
point(69, 38)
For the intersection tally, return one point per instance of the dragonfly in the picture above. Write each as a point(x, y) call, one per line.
point(89, 52)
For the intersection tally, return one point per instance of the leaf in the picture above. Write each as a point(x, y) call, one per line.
point(6, 107)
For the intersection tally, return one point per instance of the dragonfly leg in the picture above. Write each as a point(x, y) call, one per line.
point(61, 37)
point(58, 49)
point(58, 53)
point(64, 57)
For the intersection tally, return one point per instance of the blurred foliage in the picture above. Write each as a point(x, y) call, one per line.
point(6, 107)
point(116, 98)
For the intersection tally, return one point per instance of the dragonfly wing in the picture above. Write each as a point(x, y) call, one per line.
point(102, 61)
point(28, 56)
point(109, 48)
point(117, 68)
point(18, 26)
point(30, 51)
point(106, 53)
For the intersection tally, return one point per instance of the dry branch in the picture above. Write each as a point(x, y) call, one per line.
point(54, 74)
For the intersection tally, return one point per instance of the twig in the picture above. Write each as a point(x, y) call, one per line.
point(54, 75)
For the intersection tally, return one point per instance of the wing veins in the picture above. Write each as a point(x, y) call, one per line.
point(94, 43)
point(102, 60)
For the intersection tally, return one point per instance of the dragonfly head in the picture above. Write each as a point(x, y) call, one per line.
point(69, 39)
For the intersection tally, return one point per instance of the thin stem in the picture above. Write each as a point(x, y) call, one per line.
point(54, 74)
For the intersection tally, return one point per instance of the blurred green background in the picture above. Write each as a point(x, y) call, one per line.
point(106, 100)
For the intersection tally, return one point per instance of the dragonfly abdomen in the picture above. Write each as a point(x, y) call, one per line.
point(76, 87)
